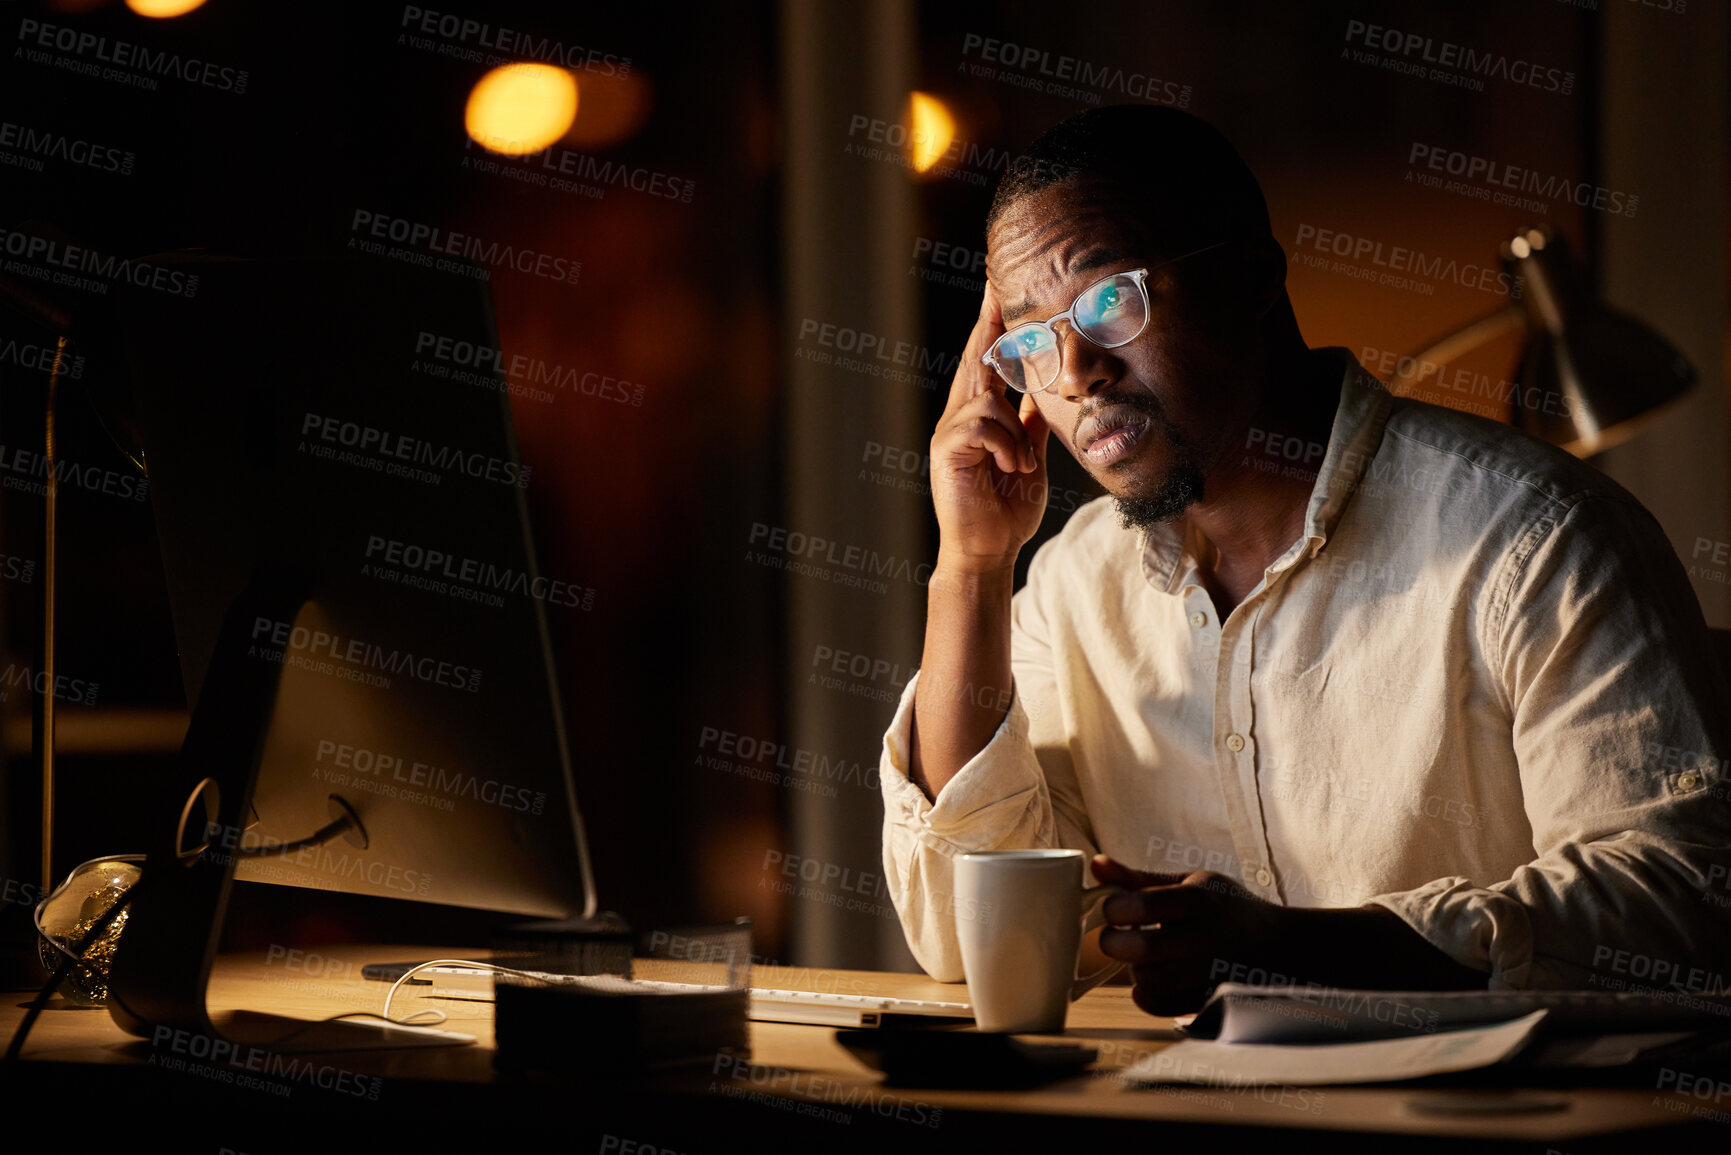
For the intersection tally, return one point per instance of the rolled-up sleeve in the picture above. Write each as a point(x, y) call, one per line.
point(1019, 791)
point(998, 800)
point(1619, 716)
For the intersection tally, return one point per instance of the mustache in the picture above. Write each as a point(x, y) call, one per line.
point(1143, 402)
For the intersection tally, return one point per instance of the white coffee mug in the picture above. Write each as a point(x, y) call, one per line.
point(1019, 917)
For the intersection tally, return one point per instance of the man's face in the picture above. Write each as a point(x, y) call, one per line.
point(1151, 419)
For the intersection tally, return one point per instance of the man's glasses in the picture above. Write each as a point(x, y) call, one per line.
point(1111, 312)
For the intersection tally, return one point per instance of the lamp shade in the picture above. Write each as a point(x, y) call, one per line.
point(1590, 376)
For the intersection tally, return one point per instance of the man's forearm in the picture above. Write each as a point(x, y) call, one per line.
point(1370, 948)
point(965, 685)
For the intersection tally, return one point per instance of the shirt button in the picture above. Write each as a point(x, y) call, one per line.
point(1235, 742)
point(1198, 619)
point(1688, 781)
point(1263, 878)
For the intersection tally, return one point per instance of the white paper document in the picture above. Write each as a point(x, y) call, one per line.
point(1323, 1064)
point(1250, 1014)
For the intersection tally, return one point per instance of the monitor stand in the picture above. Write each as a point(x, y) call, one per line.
point(161, 971)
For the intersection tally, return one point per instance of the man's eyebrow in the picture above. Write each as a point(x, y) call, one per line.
point(1097, 257)
point(1094, 258)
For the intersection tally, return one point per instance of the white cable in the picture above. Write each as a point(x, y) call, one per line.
point(408, 1022)
point(448, 962)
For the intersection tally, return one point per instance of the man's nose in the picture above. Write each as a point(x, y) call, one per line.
point(1086, 368)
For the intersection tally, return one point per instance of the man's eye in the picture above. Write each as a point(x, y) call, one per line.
point(1030, 341)
point(1109, 299)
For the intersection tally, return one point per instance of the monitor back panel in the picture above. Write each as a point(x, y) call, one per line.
point(312, 415)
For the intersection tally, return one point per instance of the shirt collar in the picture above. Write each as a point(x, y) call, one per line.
point(1169, 553)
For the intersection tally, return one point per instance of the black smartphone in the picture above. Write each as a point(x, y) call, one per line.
point(391, 972)
point(964, 1059)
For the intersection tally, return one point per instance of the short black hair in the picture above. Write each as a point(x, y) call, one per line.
point(1187, 179)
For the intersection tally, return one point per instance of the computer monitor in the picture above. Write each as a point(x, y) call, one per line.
point(345, 536)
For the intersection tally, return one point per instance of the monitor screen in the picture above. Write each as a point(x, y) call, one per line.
point(347, 419)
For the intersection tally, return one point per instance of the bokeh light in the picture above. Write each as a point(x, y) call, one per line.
point(163, 8)
point(615, 107)
point(521, 108)
point(931, 128)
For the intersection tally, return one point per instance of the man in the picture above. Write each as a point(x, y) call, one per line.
point(1437, 711)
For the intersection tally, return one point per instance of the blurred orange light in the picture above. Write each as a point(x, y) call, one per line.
point(615, 107)
point(521, 108)
point(930, 132)
point(163, 8)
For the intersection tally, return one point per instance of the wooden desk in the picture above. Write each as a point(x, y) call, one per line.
point(800, 1088)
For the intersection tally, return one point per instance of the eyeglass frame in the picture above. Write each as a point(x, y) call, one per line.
point(1141, 278)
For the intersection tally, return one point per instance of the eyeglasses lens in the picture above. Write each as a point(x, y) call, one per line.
point(1111, 313)
point(1028, 358)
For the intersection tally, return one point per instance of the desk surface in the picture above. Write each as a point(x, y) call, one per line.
point(800, 1072)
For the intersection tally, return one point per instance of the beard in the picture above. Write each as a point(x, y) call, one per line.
point(1175, 490)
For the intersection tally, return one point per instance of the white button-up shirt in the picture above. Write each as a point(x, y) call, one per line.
point(1478, 691)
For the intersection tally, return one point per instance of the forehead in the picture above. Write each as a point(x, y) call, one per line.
point(1046, 239)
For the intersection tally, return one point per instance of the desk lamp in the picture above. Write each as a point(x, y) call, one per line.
point(48, 316)
point(1615, 373)
point(69, 937)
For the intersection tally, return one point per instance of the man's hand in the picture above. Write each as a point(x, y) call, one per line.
point(989, 487)
point(988, 461)
point(1177, 930)
point(1183, 934)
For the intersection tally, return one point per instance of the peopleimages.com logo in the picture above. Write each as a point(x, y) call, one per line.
point(121, 60)
point(60, 686)
point(1395, 266)
point(58, 263)
point(394, 774)
point(1500, 183)
point(386, 451)
point(566, 170)
point(478, 42)
point(354, 659)
point(523, 373)
point(1055, 74)
point(425, 244)
point(1461, 65)
point(892, 142)
point(28, 471)
point(26, 147)
point(444, 571)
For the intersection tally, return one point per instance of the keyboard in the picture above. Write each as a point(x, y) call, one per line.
point(768, 1004)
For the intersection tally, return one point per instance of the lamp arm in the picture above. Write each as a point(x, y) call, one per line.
point(1413, 370)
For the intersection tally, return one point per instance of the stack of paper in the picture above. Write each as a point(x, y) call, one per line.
point(1238, 1013)
point(1376, 1061)
point(1309, 1036)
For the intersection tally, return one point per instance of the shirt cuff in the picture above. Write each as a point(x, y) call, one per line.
point(1486, 930)
point(992, 789)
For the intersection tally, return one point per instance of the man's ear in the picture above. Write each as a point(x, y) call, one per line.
point(1265, 262)
point(1248, 286)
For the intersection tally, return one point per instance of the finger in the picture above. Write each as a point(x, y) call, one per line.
point(1170, 943)
point(1114, 873)
point(973, 436)
point(974, 376)
point(1039, 434)
point(1161, 904)
point(1165, 994)
point(994, 408)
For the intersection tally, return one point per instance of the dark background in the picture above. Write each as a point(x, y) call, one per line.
point(702, 303)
